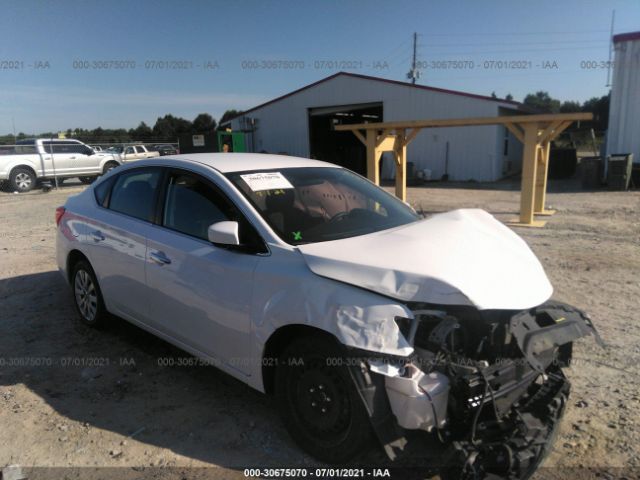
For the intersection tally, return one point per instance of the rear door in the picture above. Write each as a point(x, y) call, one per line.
point(116, 238)
point(200, 293)
point(59, 158)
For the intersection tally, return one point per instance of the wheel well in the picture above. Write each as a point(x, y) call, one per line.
point(278, 341)
point(74, 257)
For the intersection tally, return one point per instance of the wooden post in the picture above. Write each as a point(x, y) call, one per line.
point(529, 170)
point(373, 172)
point(541, 182)
point(400, 154)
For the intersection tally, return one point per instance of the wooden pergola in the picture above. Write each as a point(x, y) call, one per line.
point(534, 131)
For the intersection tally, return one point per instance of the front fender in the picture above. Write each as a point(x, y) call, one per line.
point(288, 293)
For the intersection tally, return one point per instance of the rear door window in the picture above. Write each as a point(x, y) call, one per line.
point(134, 193)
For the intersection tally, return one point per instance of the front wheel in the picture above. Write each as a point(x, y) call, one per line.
point(318, 401)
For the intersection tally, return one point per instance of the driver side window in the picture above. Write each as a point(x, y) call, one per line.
point(191, 206)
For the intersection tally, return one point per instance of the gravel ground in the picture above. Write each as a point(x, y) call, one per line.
point(73, 397)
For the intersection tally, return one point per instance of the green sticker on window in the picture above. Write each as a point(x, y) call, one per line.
point(297, 235)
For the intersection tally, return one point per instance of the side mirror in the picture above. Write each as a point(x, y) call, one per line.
point(224, 233)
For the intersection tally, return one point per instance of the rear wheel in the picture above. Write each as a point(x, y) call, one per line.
point(318, 401)
point(22, 179)
point(87, 296)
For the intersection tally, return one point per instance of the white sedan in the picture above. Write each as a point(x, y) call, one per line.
point(308, 282)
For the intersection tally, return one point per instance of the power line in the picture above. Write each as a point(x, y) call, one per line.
point(575, 32)
point(447, 45)
point(482, 52)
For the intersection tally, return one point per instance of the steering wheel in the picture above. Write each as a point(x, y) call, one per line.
point(338, 217)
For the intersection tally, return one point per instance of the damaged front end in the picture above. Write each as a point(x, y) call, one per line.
point(487, 384)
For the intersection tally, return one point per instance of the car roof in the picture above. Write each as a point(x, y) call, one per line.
point(238, 162)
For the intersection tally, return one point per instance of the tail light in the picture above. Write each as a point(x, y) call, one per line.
point(59, 213)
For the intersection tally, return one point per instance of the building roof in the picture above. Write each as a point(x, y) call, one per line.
point(626, 37)
point(378, 79)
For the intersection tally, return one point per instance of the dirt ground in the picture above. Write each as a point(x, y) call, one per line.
point(73, 397)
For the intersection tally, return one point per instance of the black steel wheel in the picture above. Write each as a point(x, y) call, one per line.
point(318, 401)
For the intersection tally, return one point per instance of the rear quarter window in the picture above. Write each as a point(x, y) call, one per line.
point(102, 190)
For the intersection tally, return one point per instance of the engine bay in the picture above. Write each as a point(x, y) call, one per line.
point(488, 384)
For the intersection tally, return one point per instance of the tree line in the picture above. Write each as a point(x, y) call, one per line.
point(166, 129)
point(542, 102)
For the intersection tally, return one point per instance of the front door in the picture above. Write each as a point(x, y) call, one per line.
point(200, 294)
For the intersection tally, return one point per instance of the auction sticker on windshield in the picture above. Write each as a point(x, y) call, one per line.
point(266, 181)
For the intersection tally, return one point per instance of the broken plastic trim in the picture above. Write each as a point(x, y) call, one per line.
point(566, 324)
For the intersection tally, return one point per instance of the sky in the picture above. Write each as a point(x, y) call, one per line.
point(71, 64)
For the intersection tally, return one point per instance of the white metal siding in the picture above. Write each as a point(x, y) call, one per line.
point(623, 134)
point(473, 151)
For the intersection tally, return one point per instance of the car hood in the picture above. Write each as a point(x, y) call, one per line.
point(463, 257)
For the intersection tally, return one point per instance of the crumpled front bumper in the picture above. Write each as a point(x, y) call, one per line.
point(515, 447)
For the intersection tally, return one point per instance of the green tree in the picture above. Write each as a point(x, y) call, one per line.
point(599, 106)
point(228, 115)
point(509, 97)
point(203, 123)
point(142, 132)
point(570, 106)
point(168, 128)
point(542, 102)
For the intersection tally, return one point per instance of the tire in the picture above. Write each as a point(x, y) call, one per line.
point(87, 296)
point(87, 180)
point(22, 179)
point(109, 166)
point(318, 402)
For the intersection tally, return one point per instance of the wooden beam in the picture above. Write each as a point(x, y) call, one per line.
point(386, 133)
point(529, 170)
point(541, 180)
point(400, 153)
point(516, 131)
point(549, 136)
point(373, 173)
point(463, 122)
point(359, 136)
point(387, 144)
point(411, 136)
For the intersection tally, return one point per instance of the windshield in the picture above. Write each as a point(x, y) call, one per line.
point(317, 204)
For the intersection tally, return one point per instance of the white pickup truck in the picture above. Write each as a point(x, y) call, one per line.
point(23, 164)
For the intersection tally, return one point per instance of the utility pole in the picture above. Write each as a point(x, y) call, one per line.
point(613, 17)
point(414, 73)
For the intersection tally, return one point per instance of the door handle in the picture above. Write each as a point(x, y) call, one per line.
point(97, 236)
point(160, 258)
point(72, 158)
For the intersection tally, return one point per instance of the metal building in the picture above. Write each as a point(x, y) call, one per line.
point(624, 107)
point(301, 123)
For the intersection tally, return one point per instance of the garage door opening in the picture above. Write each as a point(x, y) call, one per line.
point(341, 148)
